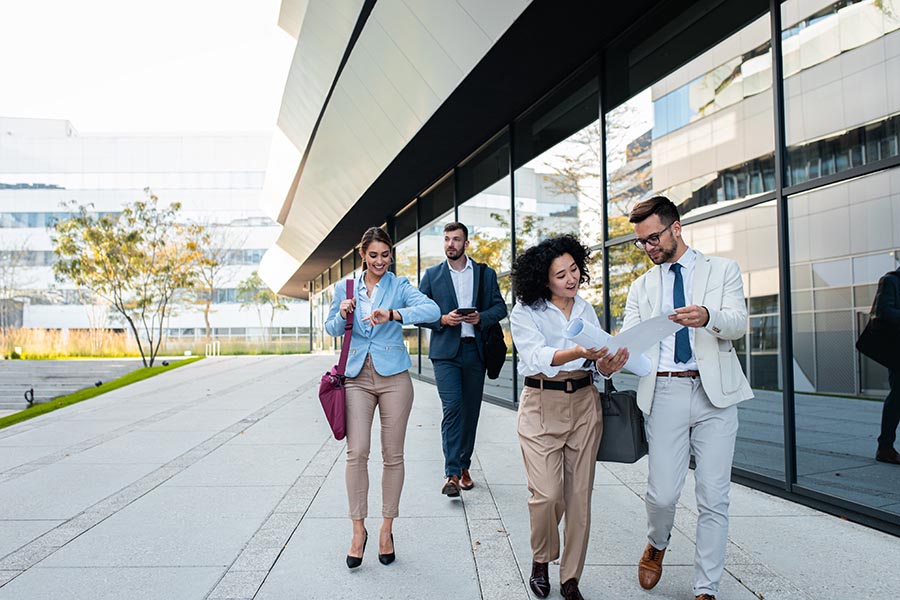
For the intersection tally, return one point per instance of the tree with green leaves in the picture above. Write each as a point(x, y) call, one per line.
point(215, 244)
point(137, 260)
point(254, 292)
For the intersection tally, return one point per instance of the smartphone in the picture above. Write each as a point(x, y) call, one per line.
point(468, 310)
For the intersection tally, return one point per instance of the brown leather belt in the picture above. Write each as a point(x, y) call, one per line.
point(678, 374)
point(568, 386)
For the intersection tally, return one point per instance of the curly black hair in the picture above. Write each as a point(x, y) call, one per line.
point(530, 272)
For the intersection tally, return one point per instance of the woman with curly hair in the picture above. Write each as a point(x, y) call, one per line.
point(560, 420)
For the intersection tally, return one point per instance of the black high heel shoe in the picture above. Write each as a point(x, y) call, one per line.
point(387, 559)
point(355, 561)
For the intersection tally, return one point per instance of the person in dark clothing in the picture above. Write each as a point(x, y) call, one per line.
point(887, 306)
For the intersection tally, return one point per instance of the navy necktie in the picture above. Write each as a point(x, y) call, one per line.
point(682, 337)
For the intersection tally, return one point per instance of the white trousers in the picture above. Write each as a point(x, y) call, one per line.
point(682, 422)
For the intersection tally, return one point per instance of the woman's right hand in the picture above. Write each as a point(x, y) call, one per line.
point(347, 307)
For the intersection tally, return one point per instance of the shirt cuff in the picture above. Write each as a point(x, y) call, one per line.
point(544, 360)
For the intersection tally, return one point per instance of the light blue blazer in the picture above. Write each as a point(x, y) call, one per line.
point(383, 341)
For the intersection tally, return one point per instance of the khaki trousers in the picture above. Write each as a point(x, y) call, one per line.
point(394, 397)
point(559, 434)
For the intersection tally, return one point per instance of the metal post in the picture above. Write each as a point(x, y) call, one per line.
point(784, 256)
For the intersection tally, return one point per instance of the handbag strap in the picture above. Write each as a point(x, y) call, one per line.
point(348, 333)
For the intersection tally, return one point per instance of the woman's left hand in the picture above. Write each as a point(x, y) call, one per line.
point(378, 316)
point(612, 363)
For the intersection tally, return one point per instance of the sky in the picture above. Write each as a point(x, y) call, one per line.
point(144, 65)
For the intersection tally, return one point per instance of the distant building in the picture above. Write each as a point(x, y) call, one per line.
point(217, 177)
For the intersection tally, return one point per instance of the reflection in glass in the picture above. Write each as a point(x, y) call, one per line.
point(838, 238)
point(701, 136)
point(841, 110)
point(406, 265)
point(559, 192)
point(487, 215)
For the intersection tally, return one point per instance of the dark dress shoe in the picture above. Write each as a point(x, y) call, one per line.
point(355, 561)
point(888, 455)
point(570, 591)
point(540, 580)
point(465, 482)
point(451, 486)
point(387, 559)
point(705, 597)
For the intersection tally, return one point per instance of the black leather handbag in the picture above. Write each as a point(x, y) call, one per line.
point(880, 338)
point(624, 439)
point(493, 343)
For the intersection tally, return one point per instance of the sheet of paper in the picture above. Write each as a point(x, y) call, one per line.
point(644, 335)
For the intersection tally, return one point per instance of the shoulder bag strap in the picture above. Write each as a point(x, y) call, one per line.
point(348, 333)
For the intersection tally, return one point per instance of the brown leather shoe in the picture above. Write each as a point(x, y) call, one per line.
point(465, 482)
point(451, 486)
point(540, 579)
point(650, 567)
point(570, 591)
point(888, 455)
point(705, 597)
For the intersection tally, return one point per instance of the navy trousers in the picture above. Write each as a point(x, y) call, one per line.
point(460, 384)
point(890, 414)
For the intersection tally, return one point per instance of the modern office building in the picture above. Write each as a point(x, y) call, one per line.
point(775, 126)
point(217, 178)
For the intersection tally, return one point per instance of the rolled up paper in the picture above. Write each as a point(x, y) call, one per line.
point(586, 334)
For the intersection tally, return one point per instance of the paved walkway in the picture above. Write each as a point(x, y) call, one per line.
point(220, 480)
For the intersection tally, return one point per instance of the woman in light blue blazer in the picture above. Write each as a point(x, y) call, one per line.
point(377, 375)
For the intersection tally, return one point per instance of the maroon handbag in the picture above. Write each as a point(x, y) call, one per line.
point(331, 388)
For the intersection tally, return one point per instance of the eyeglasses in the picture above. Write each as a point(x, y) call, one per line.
point(652, 239)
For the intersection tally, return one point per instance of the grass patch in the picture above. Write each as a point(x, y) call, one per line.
point(137, 375)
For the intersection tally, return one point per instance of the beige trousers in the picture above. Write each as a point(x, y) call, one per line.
point(394, 397)
point(559, 434)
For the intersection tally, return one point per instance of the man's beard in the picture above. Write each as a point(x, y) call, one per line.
point(454, 254)
point(665, 255)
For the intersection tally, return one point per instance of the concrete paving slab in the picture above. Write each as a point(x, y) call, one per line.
point(313, 563)
point(799, 549)
point(18, 533)
point(13, 456)
point(620, 582)
point(241, 465)
point(171, 583)
point(137, 447)
point(39, 495)
point(62, 433)
point(174, 526)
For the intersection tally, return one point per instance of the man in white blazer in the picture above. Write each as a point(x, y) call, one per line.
point(690, 396)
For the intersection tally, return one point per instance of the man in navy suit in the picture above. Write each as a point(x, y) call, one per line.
point(456, 348)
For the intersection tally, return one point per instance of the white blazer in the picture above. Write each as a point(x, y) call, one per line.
point(718, 287)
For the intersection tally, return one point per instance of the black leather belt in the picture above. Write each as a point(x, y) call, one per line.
point(568, 386)
point(466, 340)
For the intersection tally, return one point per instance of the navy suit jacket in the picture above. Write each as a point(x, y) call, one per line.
point(437, 284)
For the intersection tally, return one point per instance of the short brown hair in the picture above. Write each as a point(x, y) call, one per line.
point(658, 205)
point(457, 226)
point(375, 234)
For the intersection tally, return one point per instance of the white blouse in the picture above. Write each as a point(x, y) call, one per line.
point(539, 332)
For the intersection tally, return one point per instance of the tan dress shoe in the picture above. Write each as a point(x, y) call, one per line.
point(705, 597)
point(465, 482)
point(650, 567)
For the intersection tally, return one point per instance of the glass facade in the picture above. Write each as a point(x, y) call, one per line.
point(812, 240)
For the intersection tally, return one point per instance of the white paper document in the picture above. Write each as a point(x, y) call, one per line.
point(638, 339)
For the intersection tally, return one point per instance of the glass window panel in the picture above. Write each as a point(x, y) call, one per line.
point(502, 387)
point(431, 241)
point(406, 257)
point(836, 420)
point(437, 200)
point(700, 140)
point(840, 111)
point(559, 192)
point(832, 299)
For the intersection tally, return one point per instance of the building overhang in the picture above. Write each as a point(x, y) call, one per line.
point(368, 158)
